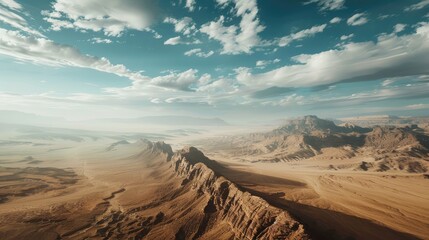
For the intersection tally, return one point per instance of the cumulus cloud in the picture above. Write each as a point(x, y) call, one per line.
point(335, 20)
point(390, 56)
point(112, 17)
point(43, 51)
point(46, 52)
point(190, 4)
point(357, 19)
point(285, 41)
point(399, 27)
point(418, 6)
point(263, 63)
point(199, 53)
point(181, 81)
point(236, 39)
point(184, 25)
point(330, 5)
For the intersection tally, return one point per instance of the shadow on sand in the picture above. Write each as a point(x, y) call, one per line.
point(322, 224)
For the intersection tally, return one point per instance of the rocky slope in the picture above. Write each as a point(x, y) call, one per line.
point(184, 197)
point(394, 148)
point(249, 217)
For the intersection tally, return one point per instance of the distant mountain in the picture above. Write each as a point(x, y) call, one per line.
point(386, 120)
point(22, 118)
point(310, 123)
point(170, 120)
point(392, 148)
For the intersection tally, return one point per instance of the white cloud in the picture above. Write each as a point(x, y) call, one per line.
point(173, 41)
point(285, 41)
point(9, 15)
point(335, 20)
point(184, 25)
point(222, 3)
point(156, 100)
point(100, 40)
point(263, 63)
point(190, 4)
point(112, 17)
point(357, 19)
point(399, 27)
point(387, 82)
point(156, 35)
point(418, 106)
point(222, 90)
point(235, 39)
point(418, 6)
point(199, 53)
point(328, 4)
point(385, 16)
point(181, 81)
point(345, 37)
point(46, 52)
point(178, 40)
point(12, 4)
point(293, 99)
point(410, 92)
point(390, 56)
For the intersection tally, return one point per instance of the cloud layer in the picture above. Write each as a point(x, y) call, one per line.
point(390, 56)
point(112, 17)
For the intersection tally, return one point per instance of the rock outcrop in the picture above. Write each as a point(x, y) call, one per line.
point(250, 217)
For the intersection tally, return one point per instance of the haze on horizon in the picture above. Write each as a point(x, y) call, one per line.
point(236, 60)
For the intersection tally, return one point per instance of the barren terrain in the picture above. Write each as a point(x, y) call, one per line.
point(305, 180)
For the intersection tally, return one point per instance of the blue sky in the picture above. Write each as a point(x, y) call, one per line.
point(240, 60)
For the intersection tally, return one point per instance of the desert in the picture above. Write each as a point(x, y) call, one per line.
point(214, 120)
point(282, 184)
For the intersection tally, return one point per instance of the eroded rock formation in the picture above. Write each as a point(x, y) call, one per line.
point(250, 217)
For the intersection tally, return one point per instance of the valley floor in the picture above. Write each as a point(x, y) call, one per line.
point(342, 203)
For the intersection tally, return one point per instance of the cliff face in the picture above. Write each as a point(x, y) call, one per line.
point(250, 217)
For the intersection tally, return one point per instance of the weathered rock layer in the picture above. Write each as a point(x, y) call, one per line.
point(250, 217)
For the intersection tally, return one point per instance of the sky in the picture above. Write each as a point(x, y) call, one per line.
point(240, 60)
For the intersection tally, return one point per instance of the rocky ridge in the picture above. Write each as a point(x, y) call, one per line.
point(250, 217)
